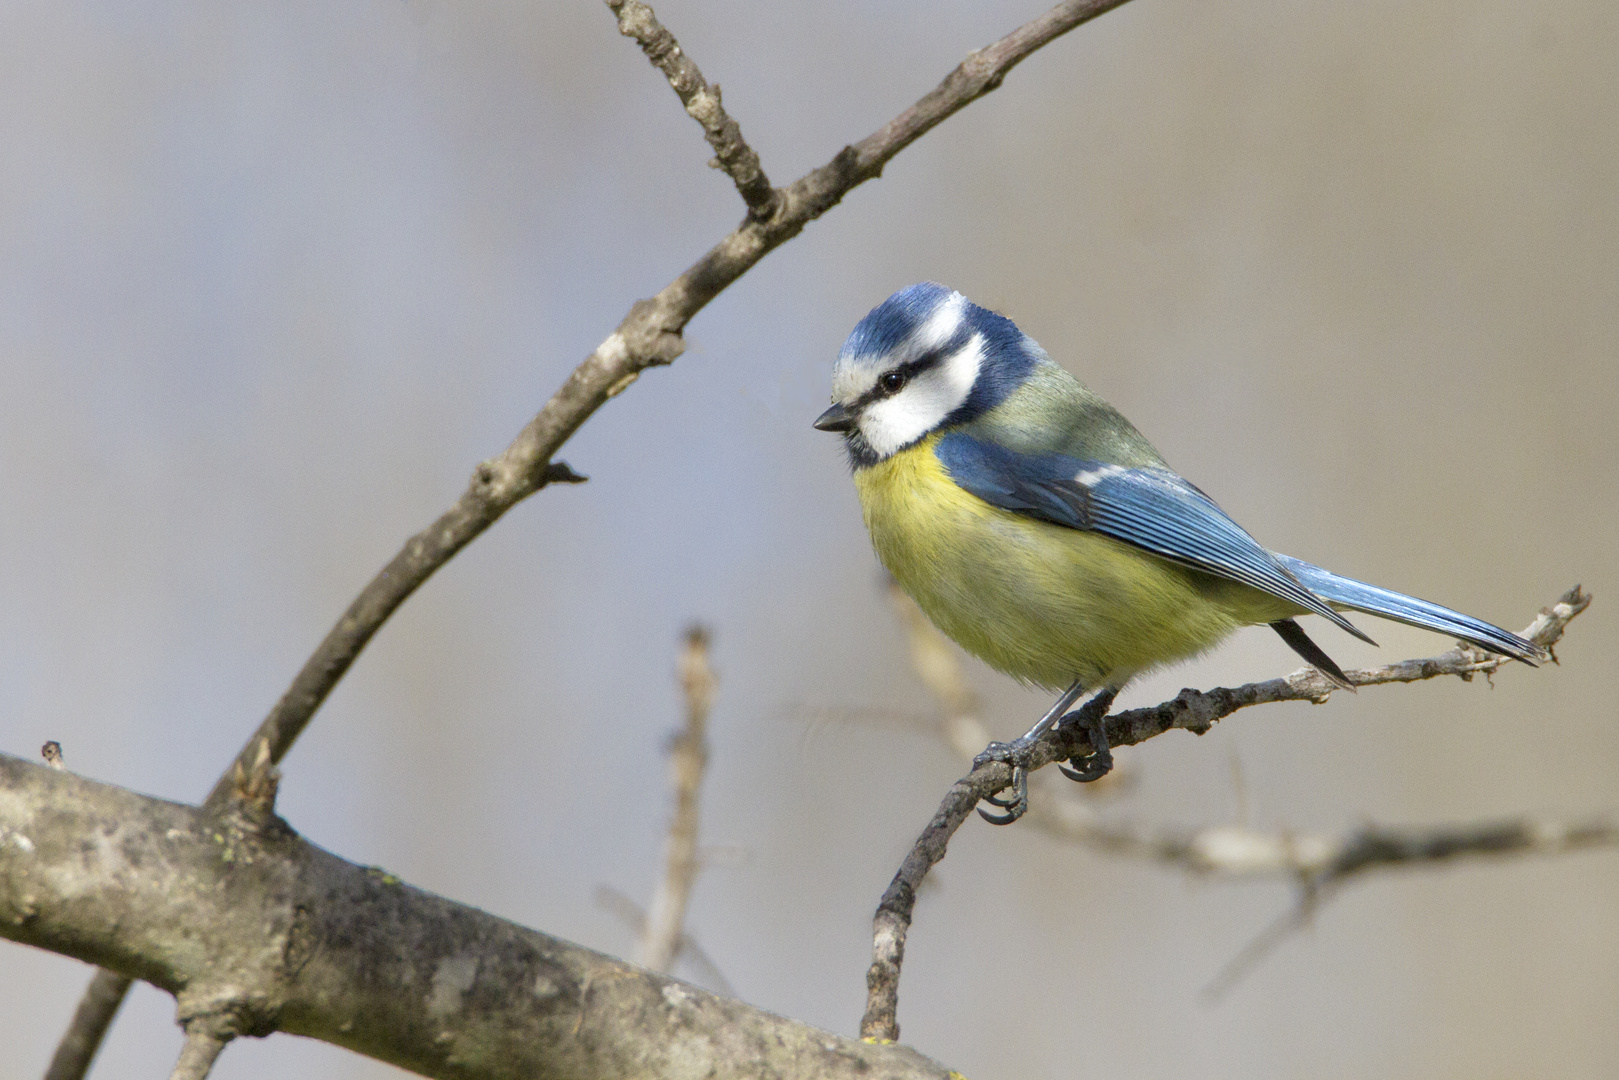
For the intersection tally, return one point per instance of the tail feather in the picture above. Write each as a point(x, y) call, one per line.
point(1297, 640)
point(1359, 596)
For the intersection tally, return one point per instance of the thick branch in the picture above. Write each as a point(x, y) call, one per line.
point(1193, 710)
point(255, 930)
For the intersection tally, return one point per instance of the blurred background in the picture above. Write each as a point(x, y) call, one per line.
point(276, 277)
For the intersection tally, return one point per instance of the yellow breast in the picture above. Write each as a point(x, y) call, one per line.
point(1043, 603)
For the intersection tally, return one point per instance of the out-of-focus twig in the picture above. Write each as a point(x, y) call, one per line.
point(89, 1026)
point(688, 758)
point(1192, 710)
point(630, 914)
point(1328, 864)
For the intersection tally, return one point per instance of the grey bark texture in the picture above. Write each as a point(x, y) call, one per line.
point(255, 930)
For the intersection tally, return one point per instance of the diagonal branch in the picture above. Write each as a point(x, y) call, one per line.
point(1192, 710)
point(648, 336)
point(702, 101)
point(91, 1020)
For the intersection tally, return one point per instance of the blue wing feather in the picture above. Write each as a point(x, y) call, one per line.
point(1408, 609)
point(1152, 508)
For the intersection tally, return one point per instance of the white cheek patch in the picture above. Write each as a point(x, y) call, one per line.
point(894, 423)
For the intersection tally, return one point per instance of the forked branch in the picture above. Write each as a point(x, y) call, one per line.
point(648, 336)
point(1192, 710)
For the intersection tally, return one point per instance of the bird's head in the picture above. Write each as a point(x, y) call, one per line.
point(923, 359)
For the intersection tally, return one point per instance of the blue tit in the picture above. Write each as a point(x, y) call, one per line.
point(1043, 533)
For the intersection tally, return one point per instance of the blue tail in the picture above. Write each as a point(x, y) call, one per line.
point(1360, 596)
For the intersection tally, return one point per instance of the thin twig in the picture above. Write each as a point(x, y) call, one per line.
point(198, 1055)
point(90, 1023)
point(1193, 710)
point(688, 758)
point(731, 152)
point(1378, 847)
point(648, 336)
point(1230, 850)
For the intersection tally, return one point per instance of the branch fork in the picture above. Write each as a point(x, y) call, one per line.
point(1192, 710)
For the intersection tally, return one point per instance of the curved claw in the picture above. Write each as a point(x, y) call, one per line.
point(1095, 765)
point(1089, 769)
point(999, 819)
point(1016, 806)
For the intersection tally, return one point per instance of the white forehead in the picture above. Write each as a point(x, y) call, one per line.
point(856, 372)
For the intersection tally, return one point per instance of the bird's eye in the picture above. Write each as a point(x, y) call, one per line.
point(892, 382)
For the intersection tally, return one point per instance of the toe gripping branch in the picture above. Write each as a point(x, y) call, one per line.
point(1086, 768)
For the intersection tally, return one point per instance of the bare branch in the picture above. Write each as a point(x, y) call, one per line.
point(702, 101)
point(1332, 864)
point(198, 1055)
point(261, 931)
point(648, 336)
point(688, 758)
point(1193, 710)
point(1235, 850)
point(1198, 711)
point(91, 1020)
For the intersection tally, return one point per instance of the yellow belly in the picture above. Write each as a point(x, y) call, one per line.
point(1043, 603)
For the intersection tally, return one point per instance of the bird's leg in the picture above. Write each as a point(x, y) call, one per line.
point(1099, 762)
point(1016, 753)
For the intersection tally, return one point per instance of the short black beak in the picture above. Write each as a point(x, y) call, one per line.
point(837, 418)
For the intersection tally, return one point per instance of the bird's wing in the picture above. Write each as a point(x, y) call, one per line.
point(1152, 508)
point(1408, 609)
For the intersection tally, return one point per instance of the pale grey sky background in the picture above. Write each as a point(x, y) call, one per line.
point(274, 277)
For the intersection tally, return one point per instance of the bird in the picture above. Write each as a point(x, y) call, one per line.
point(1038, 529)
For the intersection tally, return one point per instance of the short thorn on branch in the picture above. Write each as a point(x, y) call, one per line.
point(253, 790)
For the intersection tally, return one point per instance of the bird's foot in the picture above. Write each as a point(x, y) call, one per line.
point(1096, 764)
point(1016, 754)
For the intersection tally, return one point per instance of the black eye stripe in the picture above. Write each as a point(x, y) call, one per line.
point(909, 370)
